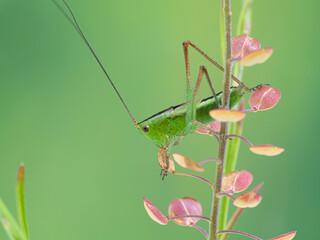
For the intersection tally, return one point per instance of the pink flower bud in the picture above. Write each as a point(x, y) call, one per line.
point(249, 51)
point(286, 236)
point(264, 98)
point(236, 181)
point(185, 206)
point(154, 212)
point(267, 150)
point(224, 115)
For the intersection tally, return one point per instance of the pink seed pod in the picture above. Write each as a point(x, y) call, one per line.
point(224, 115)
point(242, 46)
point(267, 150)
point(259, 56)
point(185, 206)
point(248, 50)
point(215, 126)
point(286, 236)
point(187, 162)
point(264, 98)
point(248, 200)
point(236, 181)
point(154, 213)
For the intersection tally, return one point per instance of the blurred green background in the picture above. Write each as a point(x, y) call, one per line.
point(87, 167)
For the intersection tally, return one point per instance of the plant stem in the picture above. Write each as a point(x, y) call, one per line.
point(224, 126)
point(244, 27)
point(20, 201)
point(231, 160)
point(222, 33)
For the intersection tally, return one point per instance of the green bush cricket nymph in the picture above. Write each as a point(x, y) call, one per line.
point(167, 128)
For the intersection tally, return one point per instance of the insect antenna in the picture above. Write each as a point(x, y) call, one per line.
point(75, 24)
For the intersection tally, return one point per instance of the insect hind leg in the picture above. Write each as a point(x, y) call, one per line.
point(186, 44)
point(192, 109)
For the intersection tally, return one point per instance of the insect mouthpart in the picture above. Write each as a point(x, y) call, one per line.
point(145, 128)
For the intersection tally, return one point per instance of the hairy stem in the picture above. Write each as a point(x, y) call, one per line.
point(224, 126)
point(244, 27)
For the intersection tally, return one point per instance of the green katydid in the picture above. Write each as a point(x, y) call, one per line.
point(167, 128)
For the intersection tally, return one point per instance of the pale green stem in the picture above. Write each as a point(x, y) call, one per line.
point(9, 223)
point(244, 27)
point(222, 34)
point(244, 23)
point(20, 201)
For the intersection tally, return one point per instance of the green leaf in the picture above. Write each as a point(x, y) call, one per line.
point(20, 201)
point(10, 224)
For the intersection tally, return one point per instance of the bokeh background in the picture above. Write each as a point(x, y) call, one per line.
point(87, 167)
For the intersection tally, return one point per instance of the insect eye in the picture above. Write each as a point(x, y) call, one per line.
point(145, 128)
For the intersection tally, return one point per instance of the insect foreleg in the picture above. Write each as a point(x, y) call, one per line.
point(167, 154)
point(179, 140)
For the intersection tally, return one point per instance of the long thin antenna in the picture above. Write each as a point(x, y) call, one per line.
point(78, 29)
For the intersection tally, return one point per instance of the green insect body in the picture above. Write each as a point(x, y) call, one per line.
point(170, 124)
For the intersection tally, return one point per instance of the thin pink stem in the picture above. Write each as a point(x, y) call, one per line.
point(189, 216)
point(250, 110)
point(256, 189)
point(208, 160)
point(215, 136)
point(240, 233)
point(233, 61)
point(227, 195)
point(190, 175)
point(242, 138)
point(232, 222)
point(200, 229)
